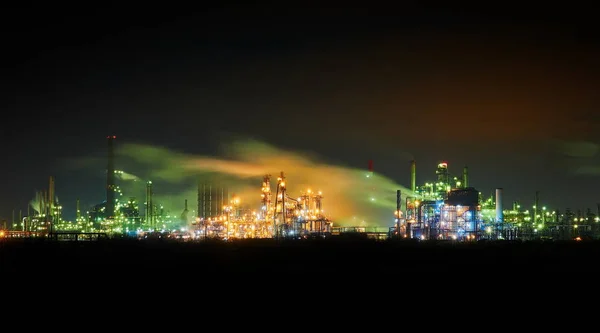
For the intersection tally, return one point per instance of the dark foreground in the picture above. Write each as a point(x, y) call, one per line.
point(267, 258)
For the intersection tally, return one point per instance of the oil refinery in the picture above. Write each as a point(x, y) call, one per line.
point(445, 208)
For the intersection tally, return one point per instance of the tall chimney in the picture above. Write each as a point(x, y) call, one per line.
point(51, 195)
point(78, 211)
point(184, 214)
point(212, 199)
point(465, 177)
point(413, 175)
point(26, 220)
point(110, 179)
point(149, 205)
point(199, 199)
point(536, 207)
point(370, 168)
point(398, 208)
point(499, 211)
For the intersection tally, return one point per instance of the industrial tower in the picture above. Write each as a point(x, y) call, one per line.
point(110, 179)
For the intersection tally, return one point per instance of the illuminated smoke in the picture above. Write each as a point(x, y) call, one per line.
point(350, 197)
point(578, 148)
point(581, 157)
point(589, 170)
point(122, 175)
point(38, 202)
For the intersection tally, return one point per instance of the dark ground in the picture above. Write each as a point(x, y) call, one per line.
point(348, 258)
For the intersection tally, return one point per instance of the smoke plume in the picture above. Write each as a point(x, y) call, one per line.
point(351, 196)
point(125, 176)
point(38, 202)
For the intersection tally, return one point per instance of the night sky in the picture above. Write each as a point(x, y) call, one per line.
point(513, 95)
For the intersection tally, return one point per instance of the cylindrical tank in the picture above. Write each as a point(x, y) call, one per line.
point(499, 211)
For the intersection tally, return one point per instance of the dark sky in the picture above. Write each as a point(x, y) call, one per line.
point(513, 94)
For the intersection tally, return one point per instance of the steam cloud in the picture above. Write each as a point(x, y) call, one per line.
point(122, 175)
point(591, 170)
point(582, 157)
point(38, 202)
point(349, 197)
point(578, 149)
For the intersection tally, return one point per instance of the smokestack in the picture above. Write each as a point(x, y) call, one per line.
point(184, 214)
point(149, 205)
point(200, 199)
point(370, 168)
point(398, 204)
point(536, 206)
point(212, 199)
point(26, 220)
point(413, 175)
point(110, 179)
point(51, 195)
point(204, 208)
point(222, 203)
point(46, 204)
point(465, 177)
point(499, 211)
point(78, 211)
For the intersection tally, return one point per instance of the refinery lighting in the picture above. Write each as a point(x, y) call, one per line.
point(444, 207)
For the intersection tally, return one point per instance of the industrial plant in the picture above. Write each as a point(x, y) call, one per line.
point(447, 207)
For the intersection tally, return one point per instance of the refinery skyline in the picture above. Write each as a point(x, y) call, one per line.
point(318, 200)
point(515, 101)
point(353, 196)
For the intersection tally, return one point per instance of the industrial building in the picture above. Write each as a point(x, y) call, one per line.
point(286, 216)
point(444, 208)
